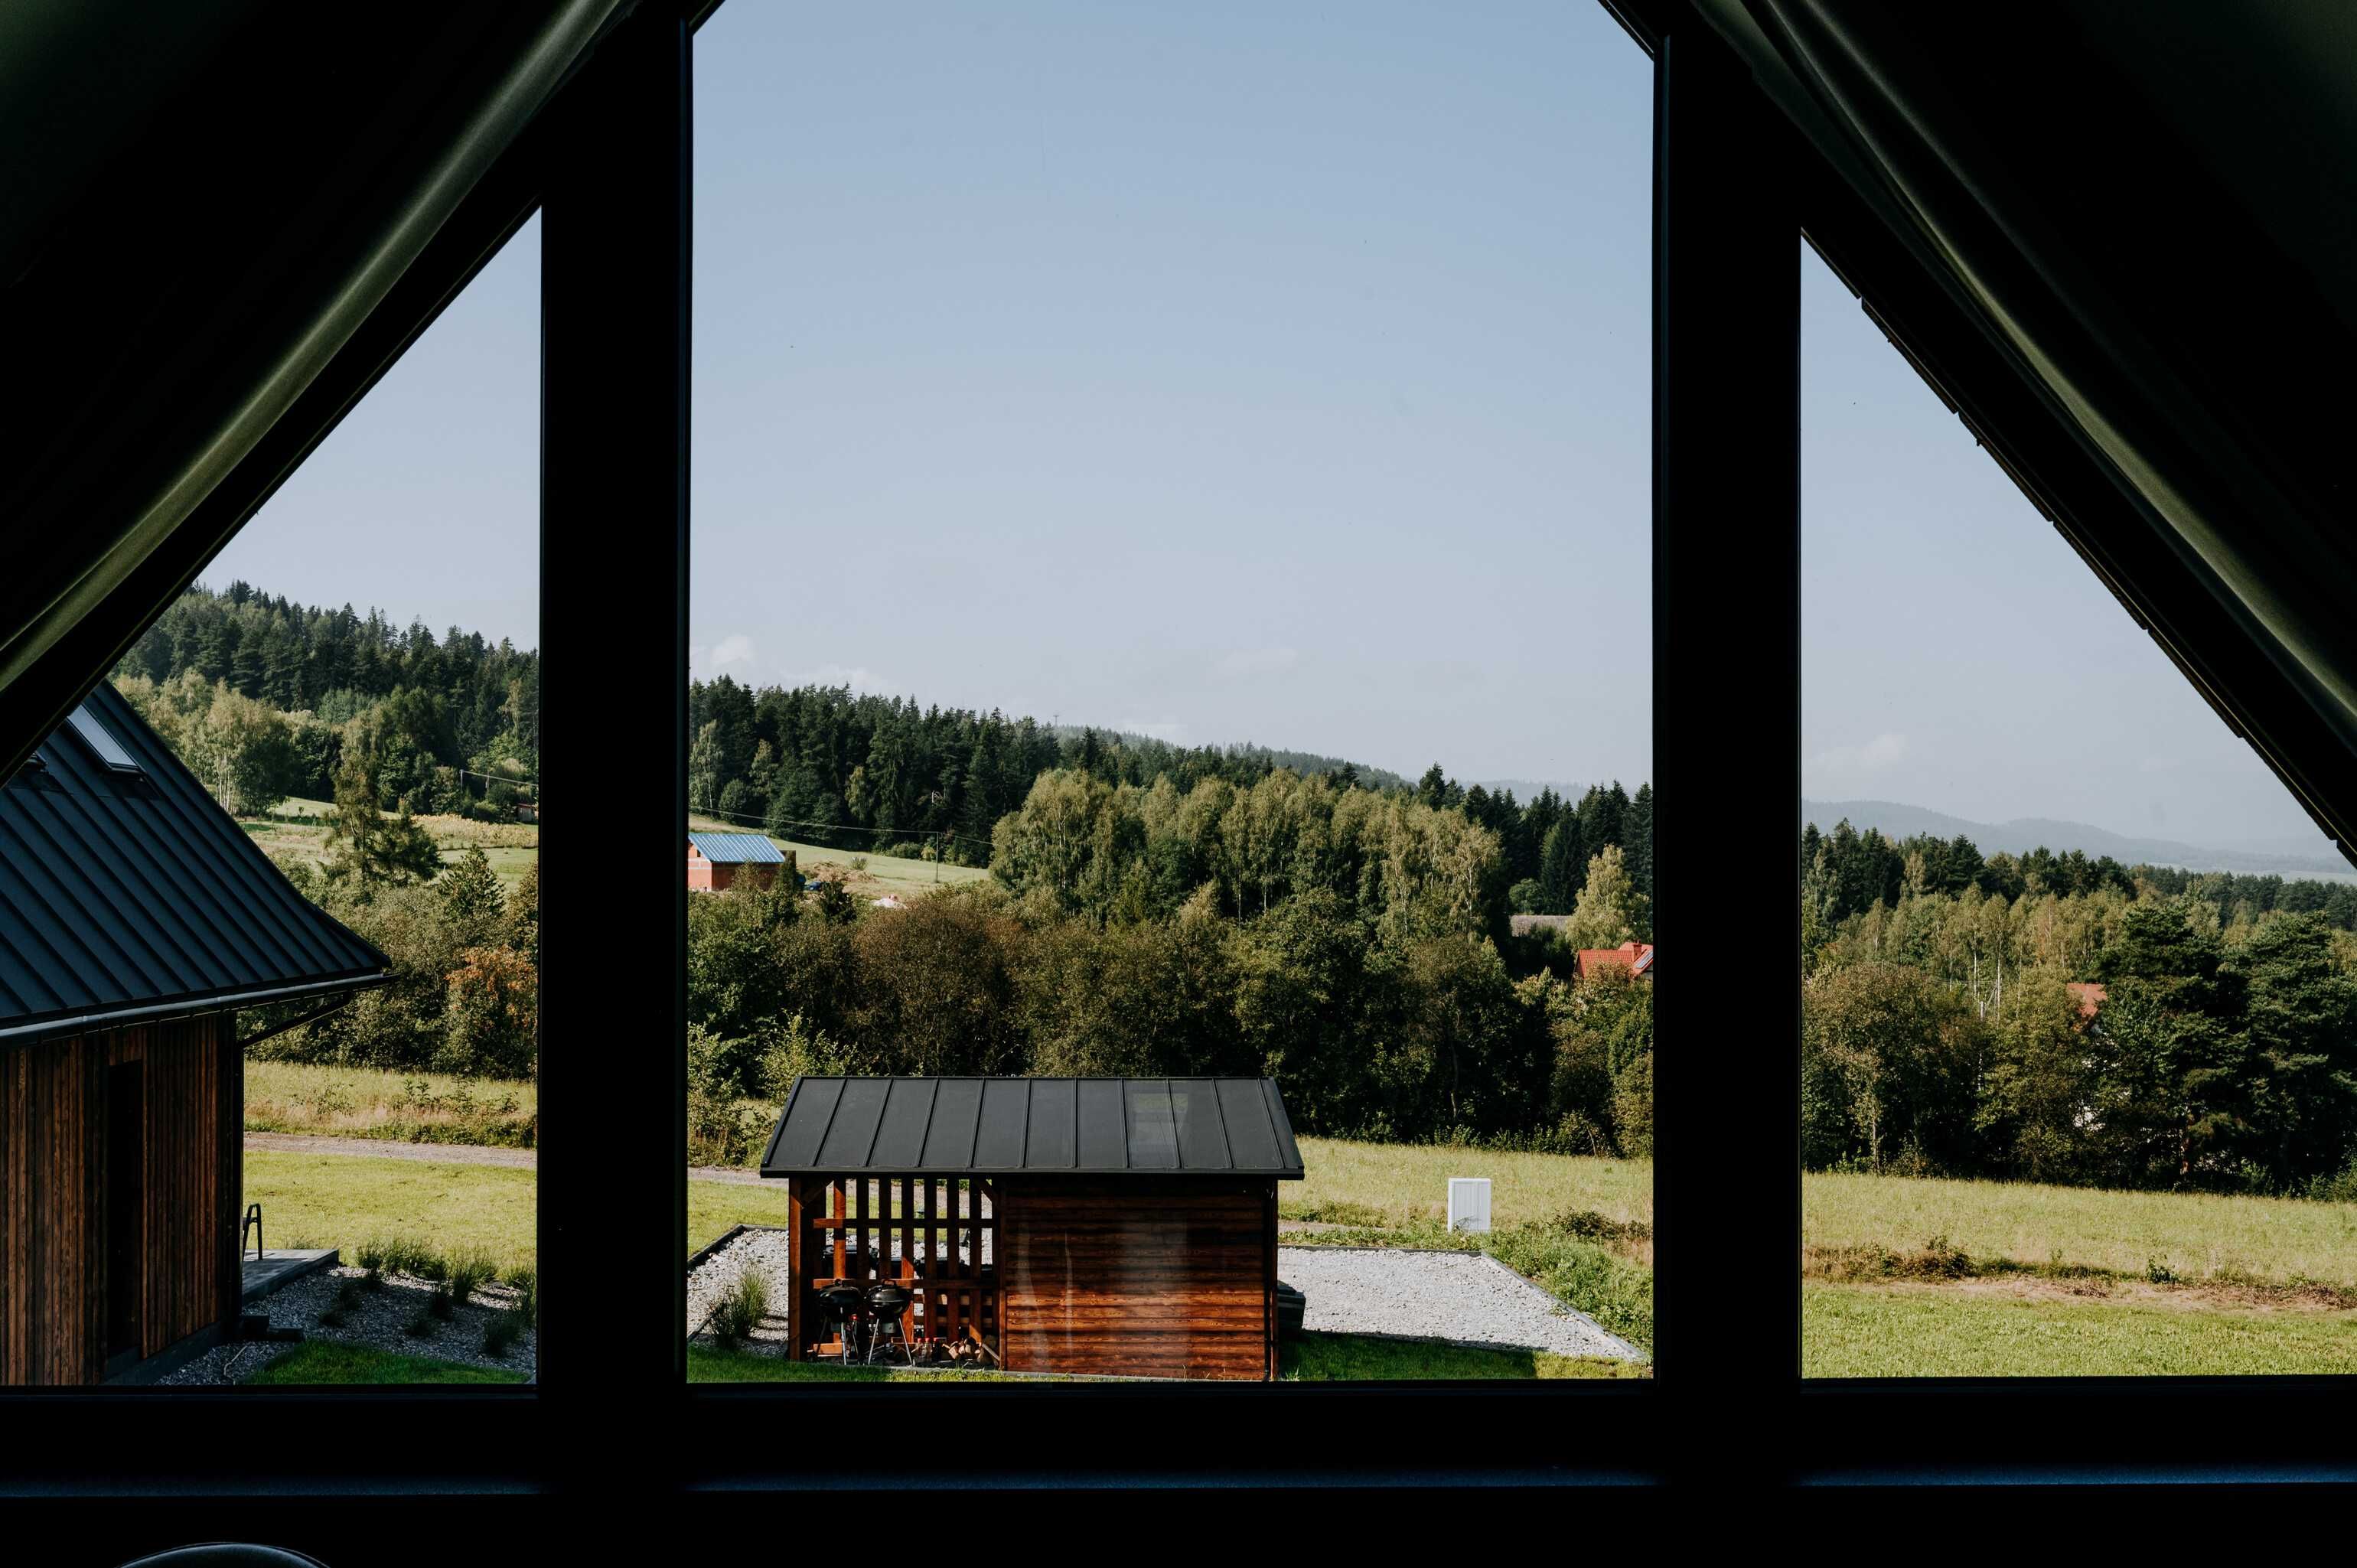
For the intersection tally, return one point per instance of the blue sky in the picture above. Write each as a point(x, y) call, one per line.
point(1250, 373)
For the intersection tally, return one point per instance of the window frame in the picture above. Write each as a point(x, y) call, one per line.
point(609, 166)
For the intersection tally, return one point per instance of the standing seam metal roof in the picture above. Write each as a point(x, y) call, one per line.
point(122, 891)
point(737, 849)
point(1097, 1126)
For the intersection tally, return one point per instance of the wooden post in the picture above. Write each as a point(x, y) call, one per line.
point(799, 1295)
point(1268, 1282)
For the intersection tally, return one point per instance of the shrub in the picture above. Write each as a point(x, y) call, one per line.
point(524, 1280)
point(419, 1326)
point(2340, 1187)
point(470, 1268)
point(502, 1332)
point(332, 1318)
point(441, 1303)
point(741, 1310)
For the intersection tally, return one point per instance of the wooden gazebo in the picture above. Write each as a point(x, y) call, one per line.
point(1099, 1226)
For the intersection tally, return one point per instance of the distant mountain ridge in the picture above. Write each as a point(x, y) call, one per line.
point(1896, 820)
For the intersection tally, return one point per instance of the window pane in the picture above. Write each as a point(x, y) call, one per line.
point(1171, 695)
point(2081, 993)
point(294, 785)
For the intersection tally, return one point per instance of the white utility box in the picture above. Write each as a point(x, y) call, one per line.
point(1469, 1203)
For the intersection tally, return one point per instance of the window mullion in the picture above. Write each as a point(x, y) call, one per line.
point(1726, 662)
point(614, 634)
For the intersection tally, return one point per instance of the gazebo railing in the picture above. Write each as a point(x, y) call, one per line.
point(936, 1236)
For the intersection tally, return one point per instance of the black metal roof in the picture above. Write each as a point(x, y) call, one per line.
point(1095, 1126)
point(129, 891)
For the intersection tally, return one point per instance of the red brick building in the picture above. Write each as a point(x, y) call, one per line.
point(716, 862)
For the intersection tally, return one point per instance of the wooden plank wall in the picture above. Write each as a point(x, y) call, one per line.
point(53, 1284)
point(1139, 1276)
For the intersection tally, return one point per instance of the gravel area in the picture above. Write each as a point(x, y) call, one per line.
point(1468, 1298)
point(377, 1323)
point(763, 1251)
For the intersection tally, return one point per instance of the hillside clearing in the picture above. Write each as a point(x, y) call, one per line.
point(510, 847)
point(864, 872)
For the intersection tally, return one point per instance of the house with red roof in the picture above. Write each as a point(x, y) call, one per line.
point(1637, 957)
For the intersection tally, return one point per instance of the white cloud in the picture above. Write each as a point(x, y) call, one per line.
point(734, 649)
point(1170, 730)
point(858, 677)
point(1245, 661)
point(1883, 751)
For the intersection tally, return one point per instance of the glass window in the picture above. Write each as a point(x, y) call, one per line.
point(2080, 987)
point(1171, 579)
point(351, 693)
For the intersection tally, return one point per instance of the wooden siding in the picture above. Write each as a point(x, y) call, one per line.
point(1139, 1277)
point(53, 1284)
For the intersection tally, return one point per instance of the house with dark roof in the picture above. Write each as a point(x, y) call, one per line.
point(137, 919)
point(717, 862)
point(1121, 1227)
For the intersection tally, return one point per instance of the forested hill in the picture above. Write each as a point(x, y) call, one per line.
point(1306, 763)
point(425, 706)
point(834, 767)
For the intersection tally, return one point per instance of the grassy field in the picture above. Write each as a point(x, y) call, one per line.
point(872, 875)
point(340, 1200)
point(406, 1107)
point(1916, 1278)
point(510, 847)
point(2194, 1235)
point(320, 1361)
point(1397, 1184)
point(1929, 1331)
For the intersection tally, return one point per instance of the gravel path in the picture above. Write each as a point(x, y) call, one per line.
point(391, 1149)
point(1467, 1297)
point(377, 1323)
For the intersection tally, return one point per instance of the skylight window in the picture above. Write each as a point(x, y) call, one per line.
point(101, 741)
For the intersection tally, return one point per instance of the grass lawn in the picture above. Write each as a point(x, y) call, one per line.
point(1362, 1357)
point(1314, 1357)
point(714, 1206)
point(363, 1102)
point(1858, 1331)
point(319, 1361)
point(1406, 1184)
point(340, 1200)
point(2195, 1235)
